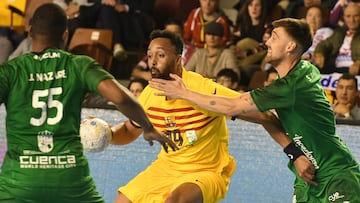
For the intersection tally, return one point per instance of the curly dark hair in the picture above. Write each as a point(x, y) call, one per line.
point(176, 40)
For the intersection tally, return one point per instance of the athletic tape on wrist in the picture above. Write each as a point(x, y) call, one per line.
point(292, 152)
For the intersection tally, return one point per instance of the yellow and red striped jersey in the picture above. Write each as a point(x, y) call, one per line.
point(202, 136)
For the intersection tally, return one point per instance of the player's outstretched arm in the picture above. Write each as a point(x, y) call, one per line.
point(127, 104)
point(176, 89)
point(243, 107)
point(124, 133)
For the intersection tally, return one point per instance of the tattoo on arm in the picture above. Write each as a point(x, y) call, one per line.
point(212, 102)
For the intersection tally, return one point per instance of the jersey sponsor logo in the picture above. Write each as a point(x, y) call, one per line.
point(49, 76)
point(37, 159)
point(176, 135)
point(307, 153)
point(48, 162)
point(335, 196)
point(47, 55)
point(191, 136)
point(45, 141)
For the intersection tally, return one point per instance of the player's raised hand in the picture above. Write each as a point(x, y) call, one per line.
point(305, 169)
point(172, 89)
point(166, 142)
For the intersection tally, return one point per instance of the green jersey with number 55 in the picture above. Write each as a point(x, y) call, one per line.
point(43, 95)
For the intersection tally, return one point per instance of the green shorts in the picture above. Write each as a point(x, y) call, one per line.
point(342, 188)
point(21, 194)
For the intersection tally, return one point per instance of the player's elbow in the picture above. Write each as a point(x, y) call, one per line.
point(121, 135)
point(124, 102)
point(228, 111)
point(122, 139)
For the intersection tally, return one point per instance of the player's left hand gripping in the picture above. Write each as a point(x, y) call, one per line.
point(161, 138)
point(305, 170)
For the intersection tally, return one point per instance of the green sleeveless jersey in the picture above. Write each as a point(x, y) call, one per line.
point(43, 95)
point(307, 118)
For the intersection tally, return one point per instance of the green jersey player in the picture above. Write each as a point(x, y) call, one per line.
point(43, 93)
point(304, 112)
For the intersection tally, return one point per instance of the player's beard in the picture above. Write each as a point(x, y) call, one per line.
point(156, 73)
point(269, 59)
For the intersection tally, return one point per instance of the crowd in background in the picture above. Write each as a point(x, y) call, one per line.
point(224, 44)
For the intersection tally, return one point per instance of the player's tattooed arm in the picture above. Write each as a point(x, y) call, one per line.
point(176, 89)
point(223, 105)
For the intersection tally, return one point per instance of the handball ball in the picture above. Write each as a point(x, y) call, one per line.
point(95, 134)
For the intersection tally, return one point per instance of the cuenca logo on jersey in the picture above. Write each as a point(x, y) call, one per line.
point(48, 162)
point(307, 153)
point(37, 159)
point(335, 196)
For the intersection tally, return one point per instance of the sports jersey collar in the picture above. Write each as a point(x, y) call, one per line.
point(297, 64)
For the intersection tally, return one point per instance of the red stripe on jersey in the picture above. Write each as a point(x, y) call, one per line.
point(198, 128)
point(179, 125)
point(176, 117)
point(170, 110)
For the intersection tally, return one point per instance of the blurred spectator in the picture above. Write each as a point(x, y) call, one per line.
point(228, 78)
point(270, 76)
point(94, 100)
point(21, 42)
point(177, 26)
point(341, 51)
point(198, 18)
point(314, 17)
point(214, 57)
point(336, 14)
point(253, 28)
point(24, 47)
point(9, 40)
point(297, 8)
point(137, 85)
point(275, 8)
point(6, 48)
point(252, 21)
point(131, 22)
point(80, 13)
point(142, 70)
point(347, 97)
